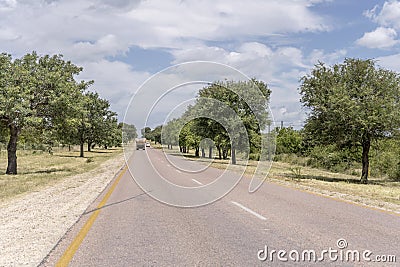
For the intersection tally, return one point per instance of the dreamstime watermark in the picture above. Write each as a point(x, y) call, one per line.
point(167, 95)
point(338, 254)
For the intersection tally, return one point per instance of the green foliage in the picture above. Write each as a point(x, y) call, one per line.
point(96, 124)
point(221, 114)
point(331, 158)
point(385, 158)
point(37, 92)
point(351, 104)
point(288, 141)
point(3, 133)
point(170, 133)
point(42, 103)
point(129, 132)
point(155, 134)
point(146, 132)
point(296, 172)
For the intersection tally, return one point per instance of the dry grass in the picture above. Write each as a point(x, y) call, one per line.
point(379, 192)
point(37, 169)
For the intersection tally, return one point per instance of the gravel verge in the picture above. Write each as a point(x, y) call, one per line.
point(31, 225)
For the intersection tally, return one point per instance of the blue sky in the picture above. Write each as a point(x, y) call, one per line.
point(121, 43)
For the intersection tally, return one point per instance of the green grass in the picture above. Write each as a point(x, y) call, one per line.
point(37, 169)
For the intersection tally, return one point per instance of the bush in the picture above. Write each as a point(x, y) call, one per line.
point(288, 141)
point(333, 159)
point(254, 156)
point(384, 159)
point(292, 159)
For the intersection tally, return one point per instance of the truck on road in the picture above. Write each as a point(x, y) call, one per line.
point(140, 143)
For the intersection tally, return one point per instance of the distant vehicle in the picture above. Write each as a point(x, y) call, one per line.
point(140, 143)
point(147, 144)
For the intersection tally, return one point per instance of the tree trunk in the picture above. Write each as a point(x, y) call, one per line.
point(233, 155)
point(81, 150)
point(89, 147)
point(203, 153)
point(366, 144)
point(210, 152)
point(224, 153)
point(219, 152)
point(196, 153)
point(12, 150)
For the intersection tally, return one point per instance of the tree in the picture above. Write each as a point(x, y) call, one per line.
point(223, 113)
point(3, 135)
point(288, 140)
point(96, 124)
point(146, 132)
point(351, 104)
point(156, 134)
point(129, 132)
point(101, 121)
point(242, 98)
point(113, 134)
point(188, 139)
point(169, 133)
point(34, 92)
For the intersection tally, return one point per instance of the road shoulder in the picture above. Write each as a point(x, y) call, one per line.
point(33, 224)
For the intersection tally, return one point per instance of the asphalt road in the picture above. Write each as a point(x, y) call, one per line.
point(133, 229)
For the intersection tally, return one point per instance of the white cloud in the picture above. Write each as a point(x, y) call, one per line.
point(218, 20)
point(88, 32)
point(390, 62)
point(60, 26)
point(8, 34)
point(108, 45)
point(7, 5)
point(114, 81)
point(389, 16)
point(388, 19)
point(380, 38)
point(328, 58)
point(281, 68)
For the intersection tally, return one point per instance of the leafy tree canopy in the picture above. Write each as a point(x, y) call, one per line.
point(351, 104)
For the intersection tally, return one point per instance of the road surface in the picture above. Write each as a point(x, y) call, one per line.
point(240, 229)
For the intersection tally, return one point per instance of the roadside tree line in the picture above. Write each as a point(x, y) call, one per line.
point(42, 102)
point(236, 112)
point(353, 108)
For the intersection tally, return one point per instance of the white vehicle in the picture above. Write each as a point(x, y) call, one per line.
point(147, 144)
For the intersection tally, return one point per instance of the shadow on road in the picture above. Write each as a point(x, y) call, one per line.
point(114, 203)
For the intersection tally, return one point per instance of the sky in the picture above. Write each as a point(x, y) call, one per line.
point(122, 43)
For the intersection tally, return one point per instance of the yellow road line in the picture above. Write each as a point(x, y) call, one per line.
point(73, 247)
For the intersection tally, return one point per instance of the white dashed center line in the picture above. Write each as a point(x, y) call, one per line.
point(249, 210)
